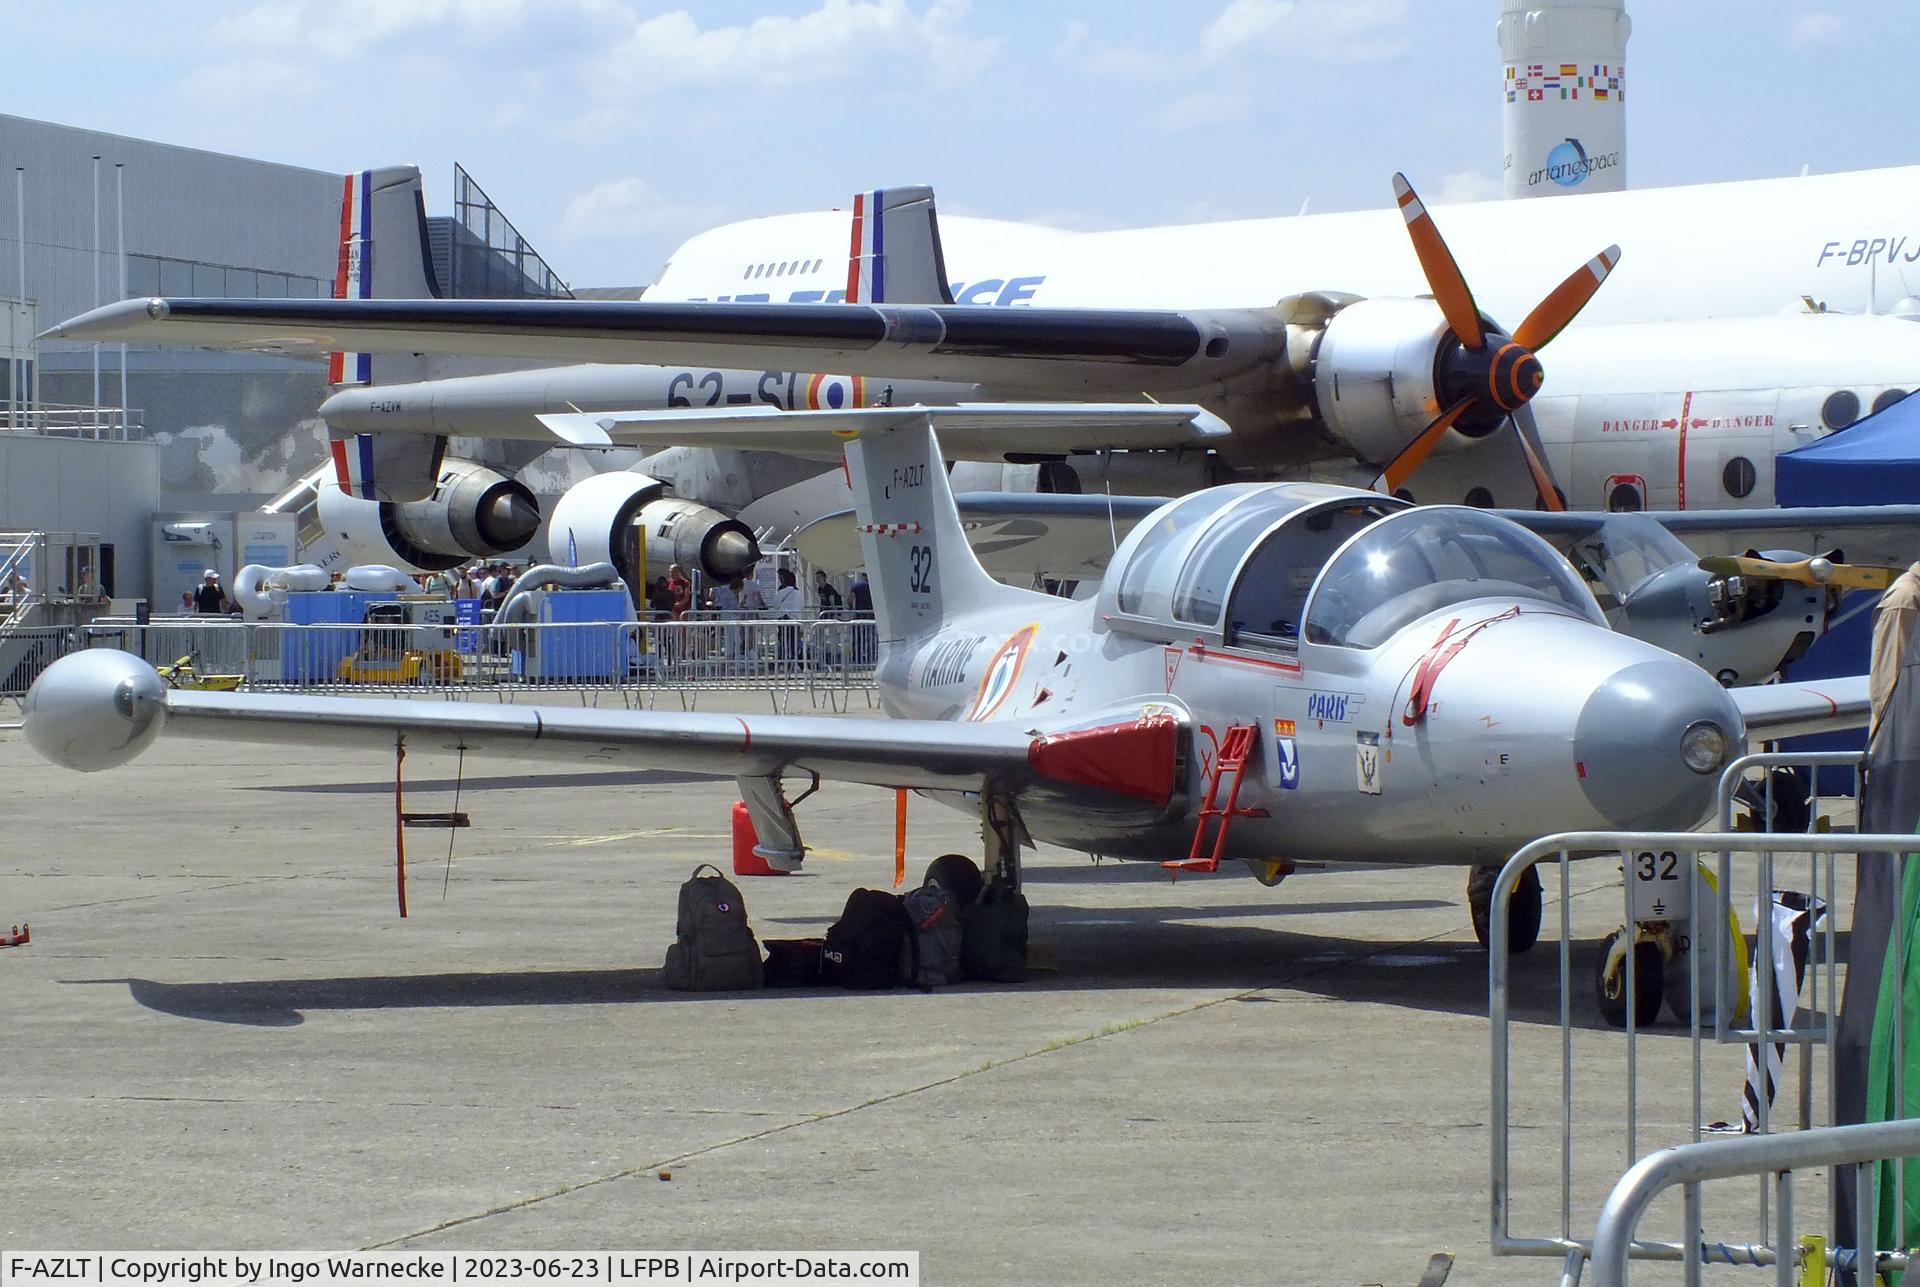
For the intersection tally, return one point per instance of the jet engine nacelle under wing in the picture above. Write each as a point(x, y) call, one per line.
point(599, 518)
point(472, 512)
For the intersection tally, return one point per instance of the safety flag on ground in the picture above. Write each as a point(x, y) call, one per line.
point(1795, 916)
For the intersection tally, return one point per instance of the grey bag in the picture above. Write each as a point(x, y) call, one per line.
point(715, 950)
point(932, 958)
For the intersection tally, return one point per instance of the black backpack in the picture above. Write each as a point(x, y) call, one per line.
point(715, 949)
point(862, 948)
point(993, 938)
point(931, 956)
point(793, 962)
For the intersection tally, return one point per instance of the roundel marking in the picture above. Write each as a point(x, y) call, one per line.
point(836, 392)
point(1002, 670)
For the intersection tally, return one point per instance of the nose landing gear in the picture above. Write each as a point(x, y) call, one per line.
point(1523, 921)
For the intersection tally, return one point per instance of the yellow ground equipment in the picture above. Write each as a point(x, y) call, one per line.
point(404, 641)
point(182, 674)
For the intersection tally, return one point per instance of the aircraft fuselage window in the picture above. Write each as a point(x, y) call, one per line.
point(1738, 477)
point(1887, 398)
point(1625, 498)
point(1840, 409)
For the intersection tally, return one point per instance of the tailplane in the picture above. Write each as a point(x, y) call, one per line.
point(896, 257)
point(923, 572)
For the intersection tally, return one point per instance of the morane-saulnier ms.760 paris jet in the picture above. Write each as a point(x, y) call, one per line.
point(1270, 672)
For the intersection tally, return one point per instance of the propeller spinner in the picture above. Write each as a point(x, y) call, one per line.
point(1487, 373)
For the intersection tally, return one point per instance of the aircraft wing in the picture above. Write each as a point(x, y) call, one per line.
point(968, 431)
point(98, 708)
point(1017, 536)
point(1773, 711)
point(1053, 348)
point(890, 753)
point(1879, 534)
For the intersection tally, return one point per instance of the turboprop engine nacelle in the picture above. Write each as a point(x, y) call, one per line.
point(1377, 375)
point(472, 511)
point(596, 521)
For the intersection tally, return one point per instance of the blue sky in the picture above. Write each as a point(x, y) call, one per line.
point(609, 130)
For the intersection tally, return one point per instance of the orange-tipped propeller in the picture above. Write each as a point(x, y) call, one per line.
point(1449, 284)
point(1491, 373)
point(1551, 315)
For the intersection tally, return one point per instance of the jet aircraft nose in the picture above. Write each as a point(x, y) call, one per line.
point(95, 709)
point(1651, 741)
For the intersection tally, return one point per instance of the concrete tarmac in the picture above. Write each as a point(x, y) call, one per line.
point(222, 1036)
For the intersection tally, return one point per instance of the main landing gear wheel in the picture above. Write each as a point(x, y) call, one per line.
point(1792, 810)
point(959, 875)
point(1649, 979)
point(1523, 920)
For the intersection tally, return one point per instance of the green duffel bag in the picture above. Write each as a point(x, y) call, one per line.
point(714, 950)
point(993, 936)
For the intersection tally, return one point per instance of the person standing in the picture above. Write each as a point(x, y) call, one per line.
point(826, 600)
point(789, 605)
point(681, 589)
point(860, 600)
point(1893, 622)
point(209, 600)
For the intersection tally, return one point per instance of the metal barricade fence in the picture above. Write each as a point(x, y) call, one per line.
point(1717, 1046)
point(1771, 1158)
point(825, 660)
point(25, 651)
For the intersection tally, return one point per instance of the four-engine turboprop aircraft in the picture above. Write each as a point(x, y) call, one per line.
point(1684, 412)
point(1269, 672)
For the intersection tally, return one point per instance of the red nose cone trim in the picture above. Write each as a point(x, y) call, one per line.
point(1135, 759)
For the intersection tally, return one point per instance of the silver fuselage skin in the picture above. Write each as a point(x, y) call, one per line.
point(1542, 722)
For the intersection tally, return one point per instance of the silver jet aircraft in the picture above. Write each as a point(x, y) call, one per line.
point(1270, 672)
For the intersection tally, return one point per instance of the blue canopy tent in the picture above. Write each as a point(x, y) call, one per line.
point(1875, 461)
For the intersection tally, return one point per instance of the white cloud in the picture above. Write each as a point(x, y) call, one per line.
point(629, 207)
point(842, 39)
point(1321, 30)
point(1816, 27)
point(1467, 185)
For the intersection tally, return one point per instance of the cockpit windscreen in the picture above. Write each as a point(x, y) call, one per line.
point(1413, 563)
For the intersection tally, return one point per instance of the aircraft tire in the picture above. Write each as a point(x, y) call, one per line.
point(1610, 981)
point(1524, 910)
point(959, 875)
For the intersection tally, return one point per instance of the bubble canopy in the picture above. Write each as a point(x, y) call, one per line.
point(1186, 563)
point(1411, 564)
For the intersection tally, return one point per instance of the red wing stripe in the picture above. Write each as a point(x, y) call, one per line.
point(746, 735)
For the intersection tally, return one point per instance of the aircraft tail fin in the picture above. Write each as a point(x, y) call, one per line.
point(384, 254)
point(922, 570)
point(895, 257)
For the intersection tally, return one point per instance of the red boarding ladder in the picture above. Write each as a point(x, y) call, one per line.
point(1231, 759)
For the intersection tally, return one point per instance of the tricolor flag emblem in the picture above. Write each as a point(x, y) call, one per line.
point(866, 262)
point(353, 275)
point(353, 463)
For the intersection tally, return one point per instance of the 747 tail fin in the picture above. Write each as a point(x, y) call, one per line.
point(895, 257)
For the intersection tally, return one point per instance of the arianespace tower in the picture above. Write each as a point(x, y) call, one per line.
point(1566, 90)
